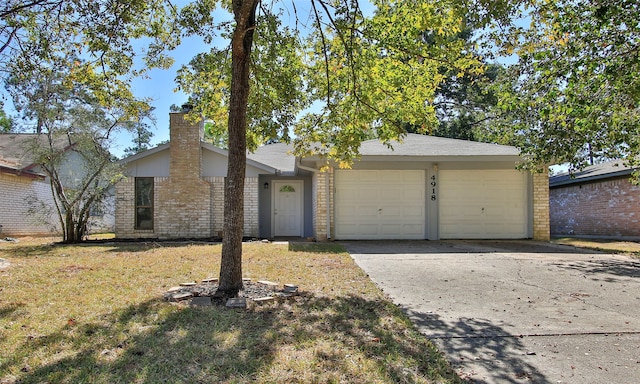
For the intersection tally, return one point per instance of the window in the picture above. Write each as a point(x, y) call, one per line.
point(144, 203)
point(287, 188)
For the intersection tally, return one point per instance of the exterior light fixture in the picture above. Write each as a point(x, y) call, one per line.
point(266, 185)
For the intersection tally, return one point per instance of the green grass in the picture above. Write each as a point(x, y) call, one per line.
point(95, 314)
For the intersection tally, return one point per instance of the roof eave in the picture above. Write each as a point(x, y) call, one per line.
point(587, 179)
point(21, 172)
point(143, 154)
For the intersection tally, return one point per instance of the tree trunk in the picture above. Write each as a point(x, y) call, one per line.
point(231, 265)
point(69, 228)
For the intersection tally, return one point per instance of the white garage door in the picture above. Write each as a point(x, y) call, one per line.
point(482, 204)
point(379, 204)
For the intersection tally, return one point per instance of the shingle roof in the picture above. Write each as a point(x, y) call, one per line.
point(205, 146)
point(15, 155)
point(278, 156)
point(423, 145)
point(610, 169)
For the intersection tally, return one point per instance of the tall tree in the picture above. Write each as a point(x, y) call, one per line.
point(464, 100)
point(574, 92)
point(364, 75)
point(141, 135)
point(68, 66)
point(72, 143)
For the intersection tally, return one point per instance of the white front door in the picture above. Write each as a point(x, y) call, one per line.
point(287, 208)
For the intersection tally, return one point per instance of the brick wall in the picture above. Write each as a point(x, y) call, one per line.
point(251, 214)
point(541, 206)
point(186, 205)
point(17, 195)
point(183, 205)
point(125, 210)
point(319, 202)
point(217, 204)
point(605, 208)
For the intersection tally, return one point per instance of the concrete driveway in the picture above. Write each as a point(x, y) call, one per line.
point(516, 311)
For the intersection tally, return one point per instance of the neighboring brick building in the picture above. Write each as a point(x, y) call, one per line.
point(26, 201)
point(600, 201)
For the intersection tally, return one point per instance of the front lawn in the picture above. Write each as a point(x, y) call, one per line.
point(96, 314)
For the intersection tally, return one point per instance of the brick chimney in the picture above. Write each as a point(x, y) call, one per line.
point(184, 150)
point(184, 199)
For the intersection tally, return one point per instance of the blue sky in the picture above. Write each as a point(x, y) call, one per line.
point(159, 85)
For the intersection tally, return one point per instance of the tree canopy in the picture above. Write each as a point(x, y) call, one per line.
point(574, 93)
point(68, 66)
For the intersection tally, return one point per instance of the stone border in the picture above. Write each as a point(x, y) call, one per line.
point(185, 291)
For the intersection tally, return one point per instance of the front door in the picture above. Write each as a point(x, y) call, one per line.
point(287, 211)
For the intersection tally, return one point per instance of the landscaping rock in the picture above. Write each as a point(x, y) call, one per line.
point(237, 302)
point(181, 296)
point(262, 300)
point(205, 293)
point(200, 302)
point(290, 288)
point(269, 284)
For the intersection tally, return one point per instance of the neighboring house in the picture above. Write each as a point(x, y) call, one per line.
point(26, 200)
point(424, 188)
point(599, 201)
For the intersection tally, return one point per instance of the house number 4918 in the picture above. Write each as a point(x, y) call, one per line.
point(433, 187)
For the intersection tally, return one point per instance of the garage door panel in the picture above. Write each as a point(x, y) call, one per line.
point(415, 212)
point(393, 206)
point(482, 204)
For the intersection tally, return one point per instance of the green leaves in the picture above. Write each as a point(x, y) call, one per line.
point(376, 73)
point(574, 93)
point(276, 83)
point(346, 78)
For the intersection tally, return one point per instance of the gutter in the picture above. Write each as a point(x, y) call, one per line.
point(21, 172)
point(327, 191)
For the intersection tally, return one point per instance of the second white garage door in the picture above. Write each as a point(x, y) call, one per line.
point(373, 205)
point(487, 204)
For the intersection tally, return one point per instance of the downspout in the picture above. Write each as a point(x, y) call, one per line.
point(327, 191)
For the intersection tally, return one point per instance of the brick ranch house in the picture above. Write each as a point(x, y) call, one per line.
point(599, 201)
point(424, 188)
